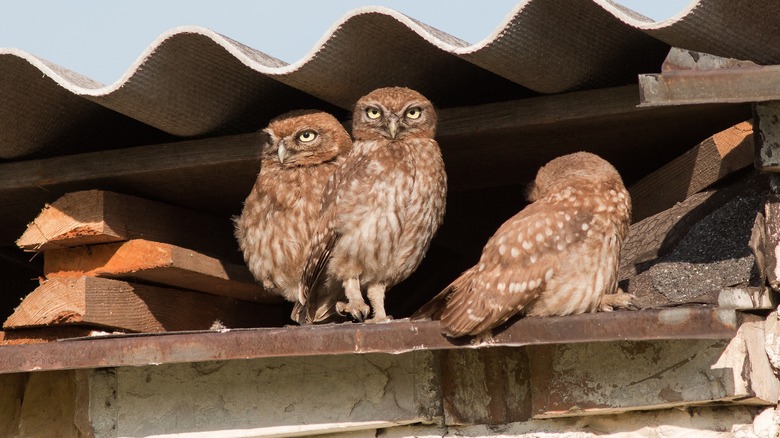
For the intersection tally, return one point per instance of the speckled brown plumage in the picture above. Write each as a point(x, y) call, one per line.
point(558, 256)
point(380, 209)
point(301, 151)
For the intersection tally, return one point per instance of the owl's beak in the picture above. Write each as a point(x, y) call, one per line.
point(392, 127)
point(282, 153)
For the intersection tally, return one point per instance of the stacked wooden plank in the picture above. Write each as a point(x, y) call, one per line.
point(121, 263)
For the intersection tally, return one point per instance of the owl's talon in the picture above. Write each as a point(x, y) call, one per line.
point(358, 311)
point(618, 300)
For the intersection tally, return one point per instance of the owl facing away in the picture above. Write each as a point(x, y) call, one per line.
point(558, 256)
point(380, 211)
point(301, 151)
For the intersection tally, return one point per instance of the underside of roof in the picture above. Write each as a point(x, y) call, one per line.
point(192, 82)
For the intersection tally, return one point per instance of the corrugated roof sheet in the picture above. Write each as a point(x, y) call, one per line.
point(193, 82)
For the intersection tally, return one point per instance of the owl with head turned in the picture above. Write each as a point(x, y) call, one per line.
point(300, 151)
point(558, 256)
point(380, 210)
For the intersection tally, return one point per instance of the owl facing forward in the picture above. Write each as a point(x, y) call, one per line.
point(558, 256)
point(380, 210)
point(302, 150)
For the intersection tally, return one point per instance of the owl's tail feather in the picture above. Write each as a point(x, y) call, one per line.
point(298, 313)
point(321, 309)
point(434, 308)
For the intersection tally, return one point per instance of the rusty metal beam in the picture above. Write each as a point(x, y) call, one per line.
point(727, 85)
point(395, 337)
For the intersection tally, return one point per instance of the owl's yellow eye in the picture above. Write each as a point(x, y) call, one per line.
point(307, 136)
point(373, 113)
point(413, 113)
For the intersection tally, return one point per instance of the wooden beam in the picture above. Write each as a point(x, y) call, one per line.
point(485, 146)
point(132, 307)
point(708, 162)
point(138, 160)
point(226, 150)
point(96, 216)
point(536, 112)
point(160, 263)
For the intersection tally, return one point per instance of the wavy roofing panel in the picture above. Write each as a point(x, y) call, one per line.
point(194, 82)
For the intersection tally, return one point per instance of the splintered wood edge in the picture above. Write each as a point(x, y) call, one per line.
point(74, 219)
point(51, 303)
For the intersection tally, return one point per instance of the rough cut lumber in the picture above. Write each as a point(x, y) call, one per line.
point(711, 160)
point(131, 307)
point(160, 263)
point(95, 216)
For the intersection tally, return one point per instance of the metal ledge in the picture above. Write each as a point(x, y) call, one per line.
point(394, 337)
point(726, 85)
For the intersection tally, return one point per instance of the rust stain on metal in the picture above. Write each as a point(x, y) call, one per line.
point(723, 85)
point(396, 337)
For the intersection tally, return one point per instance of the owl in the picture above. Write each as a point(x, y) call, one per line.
point(302, 149)
point(558, 256)
point(380, 210)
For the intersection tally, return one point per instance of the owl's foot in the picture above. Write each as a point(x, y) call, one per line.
point(377, 320)
point(618, 300)
point(376, 296)
point(358, 310)
point(485, 337)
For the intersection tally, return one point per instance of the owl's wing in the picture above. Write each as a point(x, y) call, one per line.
point(515, 266)
point(322, 244)
point(314, 296)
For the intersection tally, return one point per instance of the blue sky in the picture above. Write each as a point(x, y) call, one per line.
point(101, 39)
